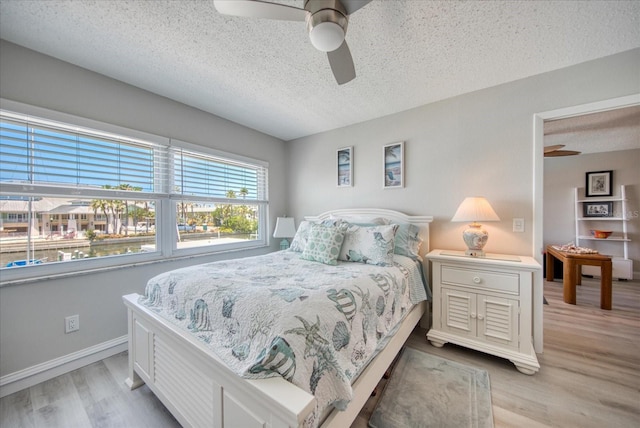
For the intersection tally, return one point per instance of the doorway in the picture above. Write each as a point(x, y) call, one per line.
point(538, 170)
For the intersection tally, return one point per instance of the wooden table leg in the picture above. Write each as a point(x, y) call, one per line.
point(549, 266)
point(605, 285)
point(569, 281)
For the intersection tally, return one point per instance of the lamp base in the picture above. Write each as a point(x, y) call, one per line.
point(475, 253)
point(284, 244)
point(475, 237)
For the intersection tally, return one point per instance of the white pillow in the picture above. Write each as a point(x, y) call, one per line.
point(369, 244)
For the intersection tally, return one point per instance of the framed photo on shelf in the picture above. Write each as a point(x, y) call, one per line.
point(345, 166)
point(598, 209)
point(393, 165)
point(598, 183)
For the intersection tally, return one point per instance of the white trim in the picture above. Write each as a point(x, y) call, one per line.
point(25, 378)
point(538, 146)
point(538, 174)
point(167, 236)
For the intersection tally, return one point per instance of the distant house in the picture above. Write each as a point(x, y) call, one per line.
point(48, 215)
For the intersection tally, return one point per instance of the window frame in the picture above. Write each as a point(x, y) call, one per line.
point(165, 202)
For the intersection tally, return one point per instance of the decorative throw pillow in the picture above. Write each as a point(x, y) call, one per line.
point(407, 242)
point(302, 234)
point(369, 244)
point(301, 237)
point(323, 244)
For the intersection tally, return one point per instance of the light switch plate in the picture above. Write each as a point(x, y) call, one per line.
point(518, 225)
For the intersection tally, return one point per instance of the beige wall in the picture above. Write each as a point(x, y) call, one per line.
point(479, 143)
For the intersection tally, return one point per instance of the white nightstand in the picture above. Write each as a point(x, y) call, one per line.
point(486, 304)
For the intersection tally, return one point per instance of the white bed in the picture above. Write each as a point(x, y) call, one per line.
point(199, 389)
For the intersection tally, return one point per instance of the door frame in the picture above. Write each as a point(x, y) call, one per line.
point(538, 175)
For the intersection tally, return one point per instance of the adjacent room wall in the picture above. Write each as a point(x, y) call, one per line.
point(32, 315)
point(563, 174)
point(477, 144)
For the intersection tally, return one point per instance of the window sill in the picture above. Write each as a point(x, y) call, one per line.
point(132, 264)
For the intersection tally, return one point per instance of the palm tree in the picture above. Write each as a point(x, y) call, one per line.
point(128, 187)
point(99, 204)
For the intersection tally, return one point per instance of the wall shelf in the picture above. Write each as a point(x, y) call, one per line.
point(622, 265)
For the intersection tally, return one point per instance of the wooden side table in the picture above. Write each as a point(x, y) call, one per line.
point(571, 270)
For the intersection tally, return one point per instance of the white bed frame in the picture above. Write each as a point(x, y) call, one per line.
point(200, 391)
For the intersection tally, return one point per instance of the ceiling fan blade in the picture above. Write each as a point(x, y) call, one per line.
point(549, 149)
point(341, 64)
point(352, 5)
point(260, 9)
point(558, 153)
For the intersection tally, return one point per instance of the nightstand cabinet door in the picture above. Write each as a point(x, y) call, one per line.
point(478, 316)
point(459, 312)
point(485, 304)
point(498, 320)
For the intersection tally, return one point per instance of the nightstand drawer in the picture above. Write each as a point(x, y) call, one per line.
point(488, 280)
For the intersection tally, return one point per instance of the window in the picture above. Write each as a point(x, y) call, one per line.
point(71, 194)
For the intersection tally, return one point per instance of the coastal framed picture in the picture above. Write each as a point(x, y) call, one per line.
point(598, 183)
point(345, 166)
point(393, 165)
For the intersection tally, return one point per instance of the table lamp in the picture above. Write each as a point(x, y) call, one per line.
point(285, 228)
point(475, 209)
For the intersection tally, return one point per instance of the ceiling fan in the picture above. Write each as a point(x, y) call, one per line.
point(555, 151)
point(326, 20)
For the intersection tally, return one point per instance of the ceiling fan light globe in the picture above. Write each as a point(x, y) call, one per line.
point(326, 36)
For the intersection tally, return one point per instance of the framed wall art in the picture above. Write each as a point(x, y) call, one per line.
point(393, 165)
point(598, 183)
point(598, 209)
point(345, 167)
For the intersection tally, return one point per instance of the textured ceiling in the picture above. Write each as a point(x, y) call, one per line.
point(266, 75)
point(597, 132)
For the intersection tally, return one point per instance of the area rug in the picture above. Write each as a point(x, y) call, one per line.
point(428, 391)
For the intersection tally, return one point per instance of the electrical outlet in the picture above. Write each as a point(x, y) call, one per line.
point(72, 323)
point(518, 225)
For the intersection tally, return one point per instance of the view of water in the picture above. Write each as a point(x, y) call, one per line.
point(52, 254)
point(101, 249)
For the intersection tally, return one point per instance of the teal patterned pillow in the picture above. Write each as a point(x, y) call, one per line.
point(407, 240)
point(323, 244)
point(369, 244)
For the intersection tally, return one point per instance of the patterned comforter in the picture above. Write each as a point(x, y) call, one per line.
point(278, 315)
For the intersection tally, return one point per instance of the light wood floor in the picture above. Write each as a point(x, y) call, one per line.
point(590, 376)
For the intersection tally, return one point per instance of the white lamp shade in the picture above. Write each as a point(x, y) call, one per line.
point(475, 209)
point(285, 228)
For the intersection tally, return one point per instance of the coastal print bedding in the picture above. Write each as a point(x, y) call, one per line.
point(314, 324)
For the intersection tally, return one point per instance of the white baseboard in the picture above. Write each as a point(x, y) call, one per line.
point(33, 375)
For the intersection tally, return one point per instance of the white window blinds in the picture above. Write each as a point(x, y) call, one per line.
point(42, 152)
point(217, 178)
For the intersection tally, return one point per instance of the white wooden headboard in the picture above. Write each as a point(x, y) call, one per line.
point(422, 221)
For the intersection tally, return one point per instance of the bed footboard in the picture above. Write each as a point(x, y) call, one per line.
point(200, 390)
